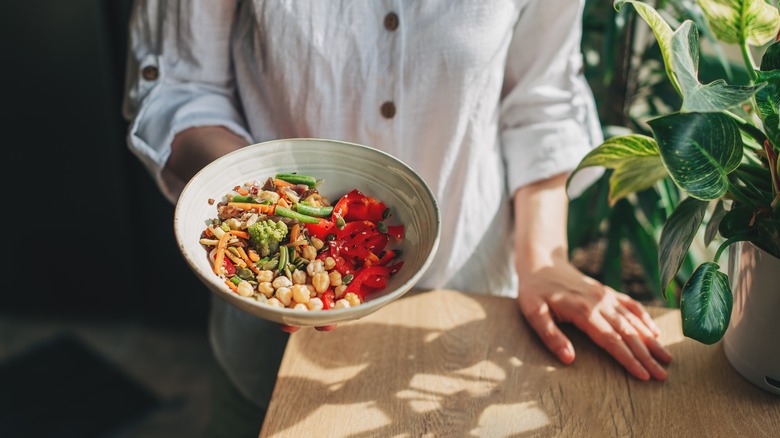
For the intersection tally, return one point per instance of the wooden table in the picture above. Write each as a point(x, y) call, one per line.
point(447, 364)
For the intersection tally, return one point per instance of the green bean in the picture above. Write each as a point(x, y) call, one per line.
point(235, 279)
point(347, 279)
point(381, 227)
point(286, 212)
point(239, 198)
point(282, 259)
point(313, 211)
point(270, 265)
point(294, 178)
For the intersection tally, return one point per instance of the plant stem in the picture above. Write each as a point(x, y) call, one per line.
point(747, 127)
point(750, 66)
point(726, 244)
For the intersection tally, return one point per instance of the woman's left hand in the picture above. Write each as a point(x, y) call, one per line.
point(560, 293)
point(553, 291)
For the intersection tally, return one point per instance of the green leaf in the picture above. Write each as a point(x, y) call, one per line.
point(661, 30)
point(768, 104)
point(635, 160)
point(699, 150)
point(676, 237)
point(706, 304)
point(712, 226)
point(771, 58)
point(741, 21)
point(697, 97)
point(737, 221)
point(768, 235)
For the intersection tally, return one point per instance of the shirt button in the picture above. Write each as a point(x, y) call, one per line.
point(391, 21)
point(388, 110)
point(150, 73)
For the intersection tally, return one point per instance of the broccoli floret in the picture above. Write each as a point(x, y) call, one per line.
point(267, 235)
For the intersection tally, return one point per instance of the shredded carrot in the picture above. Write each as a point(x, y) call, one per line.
point(295, 231)
point(281, 183)
point(282, 202)
point(208, 232)
point(261, 208)
point(249, 263)
point(253, 255)
point(239, 233)
point(232, 286)
point(242, 191)
point(220, 257)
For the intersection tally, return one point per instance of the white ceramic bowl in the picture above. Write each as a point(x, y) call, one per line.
point(342, 167)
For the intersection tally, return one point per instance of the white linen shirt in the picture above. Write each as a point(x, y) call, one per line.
point(488, 96)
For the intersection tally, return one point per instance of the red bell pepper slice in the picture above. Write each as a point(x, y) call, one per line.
point(368, 279)
point(355, 206)
point(396, 232)
point(366, 247)
point(322, 229)
point(328, 298)
point(230, 268)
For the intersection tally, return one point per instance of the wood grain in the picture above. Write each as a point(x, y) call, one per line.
point(444, 363)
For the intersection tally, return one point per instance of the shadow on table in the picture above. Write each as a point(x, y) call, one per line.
point(487, 376)
point(454, 376)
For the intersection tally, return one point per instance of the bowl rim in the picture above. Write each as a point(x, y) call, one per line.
point(333, 315)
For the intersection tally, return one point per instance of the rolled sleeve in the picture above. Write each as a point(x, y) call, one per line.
point(170, 109)
point(179, 76)
point(548, 117)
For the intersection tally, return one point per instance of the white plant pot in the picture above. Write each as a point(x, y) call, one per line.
point(752, 340)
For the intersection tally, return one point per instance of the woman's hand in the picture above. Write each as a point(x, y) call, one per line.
point(552, 290)
point(560, 293)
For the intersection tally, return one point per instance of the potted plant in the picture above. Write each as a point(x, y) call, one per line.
point(721, 149)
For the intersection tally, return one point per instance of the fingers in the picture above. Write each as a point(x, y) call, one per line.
point(641, 352)
point(656, 348)
point(293, 329)
point(537, 313)
point(605, 336)
point(637, 309)
point(289, 328)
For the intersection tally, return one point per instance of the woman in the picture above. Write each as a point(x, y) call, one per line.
point(485, 100)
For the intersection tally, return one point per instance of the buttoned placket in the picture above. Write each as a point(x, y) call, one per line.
point(390, 107)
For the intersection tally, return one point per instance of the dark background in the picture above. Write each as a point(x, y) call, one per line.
point(90, 232)
point(91, 235)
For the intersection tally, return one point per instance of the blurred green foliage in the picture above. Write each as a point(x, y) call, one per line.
point(624, 67)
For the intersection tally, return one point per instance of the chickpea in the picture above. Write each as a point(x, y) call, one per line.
point(266, 288)
point(340, 290)
point(284, 295)
point(330, 263)
point(309, 253)
point(341, 304)
point(315, 304)
point(300, 306)
point(265, 276)
point(281, 281)
point(273, 302)
point(314, 267)
point(299, 277)
point(320, 281)
point(353, 299)
point(300, 293)
point(317, 243)
point(245, 289)
point(335, 278)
